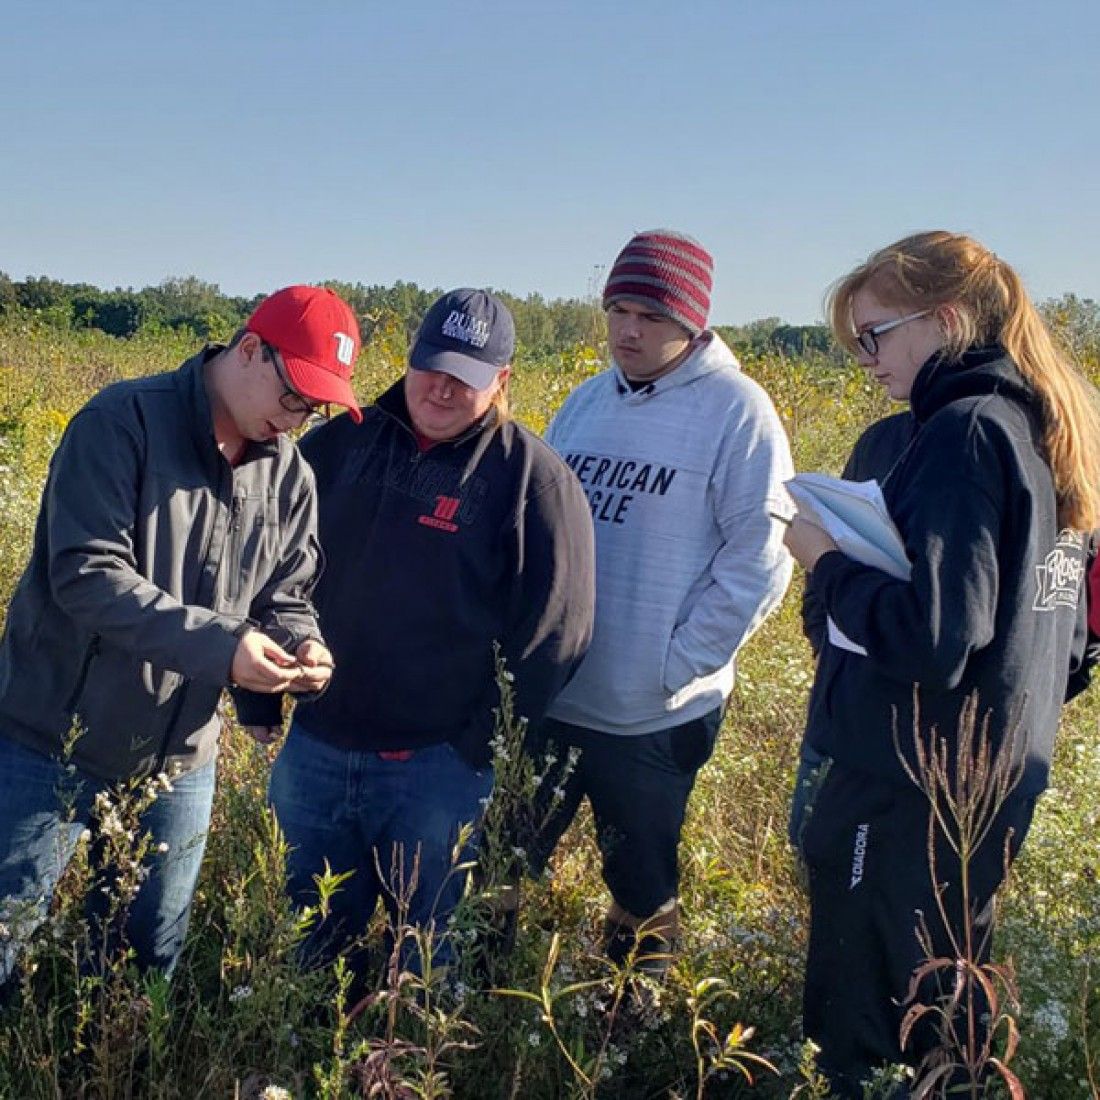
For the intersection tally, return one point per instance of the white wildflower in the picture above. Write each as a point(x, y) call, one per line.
point(1051, 1018)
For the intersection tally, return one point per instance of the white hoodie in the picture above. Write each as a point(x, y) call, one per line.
point(680, 476)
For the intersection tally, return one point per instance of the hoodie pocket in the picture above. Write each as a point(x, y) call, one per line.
point(677, 674)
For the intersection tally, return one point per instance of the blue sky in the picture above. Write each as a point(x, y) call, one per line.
point(519, 145)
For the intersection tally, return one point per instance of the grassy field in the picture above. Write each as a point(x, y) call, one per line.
point(239, 1020)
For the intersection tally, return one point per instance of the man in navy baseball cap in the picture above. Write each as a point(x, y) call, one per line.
point(447, 529)
point(468, 334)
point(459, 364)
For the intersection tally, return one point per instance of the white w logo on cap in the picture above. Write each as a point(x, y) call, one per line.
point(345, 347)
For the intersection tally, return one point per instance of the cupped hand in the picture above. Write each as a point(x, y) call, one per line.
point(259, 664)
point(314, 666)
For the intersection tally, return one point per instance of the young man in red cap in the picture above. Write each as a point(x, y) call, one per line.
point(681, 457)
point(174, 556)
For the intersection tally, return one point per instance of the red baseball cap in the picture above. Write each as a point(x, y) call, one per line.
point(315, 332)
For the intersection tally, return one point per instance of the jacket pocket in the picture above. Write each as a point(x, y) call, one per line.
point(160, 683)
point(253, 546)
point(72, 703)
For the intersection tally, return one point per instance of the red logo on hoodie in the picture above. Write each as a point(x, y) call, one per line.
point(445, 509)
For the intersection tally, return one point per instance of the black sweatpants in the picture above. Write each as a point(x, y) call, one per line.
point(866, 849)
point(638, 787)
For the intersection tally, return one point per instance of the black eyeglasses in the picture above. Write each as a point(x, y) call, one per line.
point(290, 398)
point(868, 338)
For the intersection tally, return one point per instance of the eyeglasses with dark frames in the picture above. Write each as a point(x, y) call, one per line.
point(290, 398)
point(868, 337)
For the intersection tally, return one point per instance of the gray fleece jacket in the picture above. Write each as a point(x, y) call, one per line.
point(151, 555)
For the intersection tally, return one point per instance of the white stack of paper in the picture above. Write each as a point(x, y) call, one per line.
point(854, 515)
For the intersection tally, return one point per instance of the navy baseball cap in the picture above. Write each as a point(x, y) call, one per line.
point(468, 334)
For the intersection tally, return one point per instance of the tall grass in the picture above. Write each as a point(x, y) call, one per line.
point(240, 1020)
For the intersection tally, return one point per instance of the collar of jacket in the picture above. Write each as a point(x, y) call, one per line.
point(980, 371)
point(709, 354)
point(191, 379)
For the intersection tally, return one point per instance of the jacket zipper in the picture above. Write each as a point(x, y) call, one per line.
point(233, 575)
point(162, 756)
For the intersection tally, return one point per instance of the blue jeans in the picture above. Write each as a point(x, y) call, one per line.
point(375, 818)
point(44, 809)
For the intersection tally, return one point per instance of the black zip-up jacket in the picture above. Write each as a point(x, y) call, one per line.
point(150, 556)
point(430, 557)
point(994, 603)
point(873, 457)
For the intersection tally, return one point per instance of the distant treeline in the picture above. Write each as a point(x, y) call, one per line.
point(201, 307)
point(542, 325)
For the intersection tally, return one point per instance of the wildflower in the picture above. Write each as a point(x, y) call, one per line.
point(534, 1038)
point(162, 847)
point(241, 993)
point(275, 1092)
point(1051, 1018)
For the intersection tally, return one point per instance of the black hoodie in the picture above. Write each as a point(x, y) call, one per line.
point(431, 557)
point(994, 601)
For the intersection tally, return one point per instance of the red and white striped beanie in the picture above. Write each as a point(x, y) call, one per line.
point(668, 270)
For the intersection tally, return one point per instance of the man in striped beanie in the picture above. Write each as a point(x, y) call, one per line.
point(681, 457)
point(665, 270)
